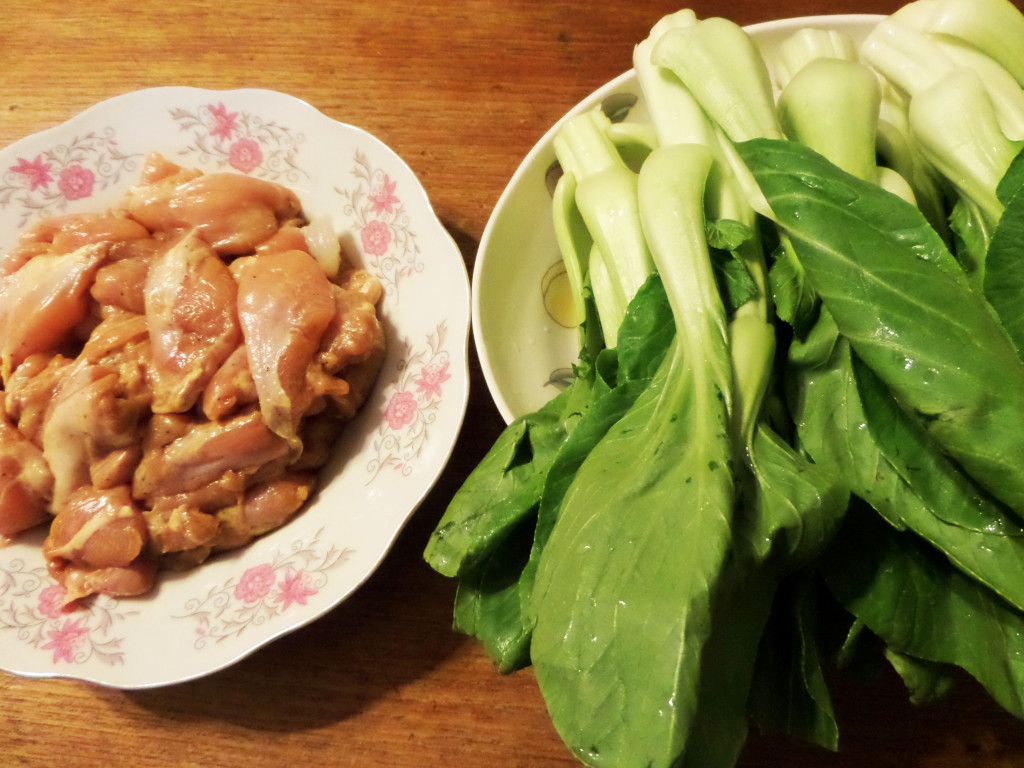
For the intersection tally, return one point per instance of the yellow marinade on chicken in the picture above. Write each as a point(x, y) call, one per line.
point(173, 372)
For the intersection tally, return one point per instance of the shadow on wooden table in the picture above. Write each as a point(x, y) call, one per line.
point(880, 728)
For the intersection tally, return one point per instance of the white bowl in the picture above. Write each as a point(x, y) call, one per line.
point(386, 460)
point(524, 351)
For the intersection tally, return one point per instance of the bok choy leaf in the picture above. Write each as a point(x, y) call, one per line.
point(906, 307)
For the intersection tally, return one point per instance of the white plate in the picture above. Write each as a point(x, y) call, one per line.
point(524, 351)
point(387, 459)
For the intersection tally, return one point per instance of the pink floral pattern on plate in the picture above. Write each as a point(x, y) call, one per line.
point(382, 223)
point(241, 140)
point(33, 607)
point(49, 180)
point(412, 406)
point(209, 618)
point(263, 591)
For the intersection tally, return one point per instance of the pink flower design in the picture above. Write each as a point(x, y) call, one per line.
point(245, 155)
point(63, 641)
point(35, 173)
point(384, 199)
point(401, 409)
point(295, 588)
point(75, 182)
point(53, 601)
point(431, 378)
point(376, 237)
point(223, 122)
point(255, 583)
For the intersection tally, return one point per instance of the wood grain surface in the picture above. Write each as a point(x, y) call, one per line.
point(461, 90)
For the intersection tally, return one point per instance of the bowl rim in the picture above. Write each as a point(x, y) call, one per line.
point(542, 151)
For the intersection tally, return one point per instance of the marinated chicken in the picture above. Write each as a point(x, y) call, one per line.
point(173, 372)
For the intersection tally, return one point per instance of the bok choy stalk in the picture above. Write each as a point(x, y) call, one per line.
point(966, 144)
point(605, 195)
point(786, 509)
point(903, 50)
point(810, 44)
point(684, 78)
point(675, 90)
point(645, 525)
point(994, 27)
point(574, 243)
point(964, 109)
point(676, 116)
point(831, 101)
point(735, 90)
point(832, 106)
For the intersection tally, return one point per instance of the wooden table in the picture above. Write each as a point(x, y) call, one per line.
point(461, 90)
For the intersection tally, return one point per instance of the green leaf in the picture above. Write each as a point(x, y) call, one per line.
point(790, 693)
point(646, 333)
point(915, 489)
point(642, 533)
point(505, 486)
point(920, 606)
point(926, 681)
point(904, 304)
point(1013, 181)
point(727, 234)
point(1004, 275)
point(645, 337)
point(794, 302)
point(487, 602)
point(735, 284)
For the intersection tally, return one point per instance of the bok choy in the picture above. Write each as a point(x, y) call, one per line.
point(799, 394)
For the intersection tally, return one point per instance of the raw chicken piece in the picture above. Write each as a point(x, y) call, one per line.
point(97, 529)
point(285, 304)
point(184, 527)
point(43, 302)
point(158, 168)
point(181, 528)
point(116, 468)
point(97, 543)
point(57, 235)
point(193, 327)
point(266, 506)
point(29, 392)
point(231, 212)
point(231, 388)
point(120, 329)
point(88, 419)
point(322, 242)
point(121, 281)
point(26, 483)
point(241, 447)
point(288, 238)
point(131, 580)
point(75, 230)
point(355, 334)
